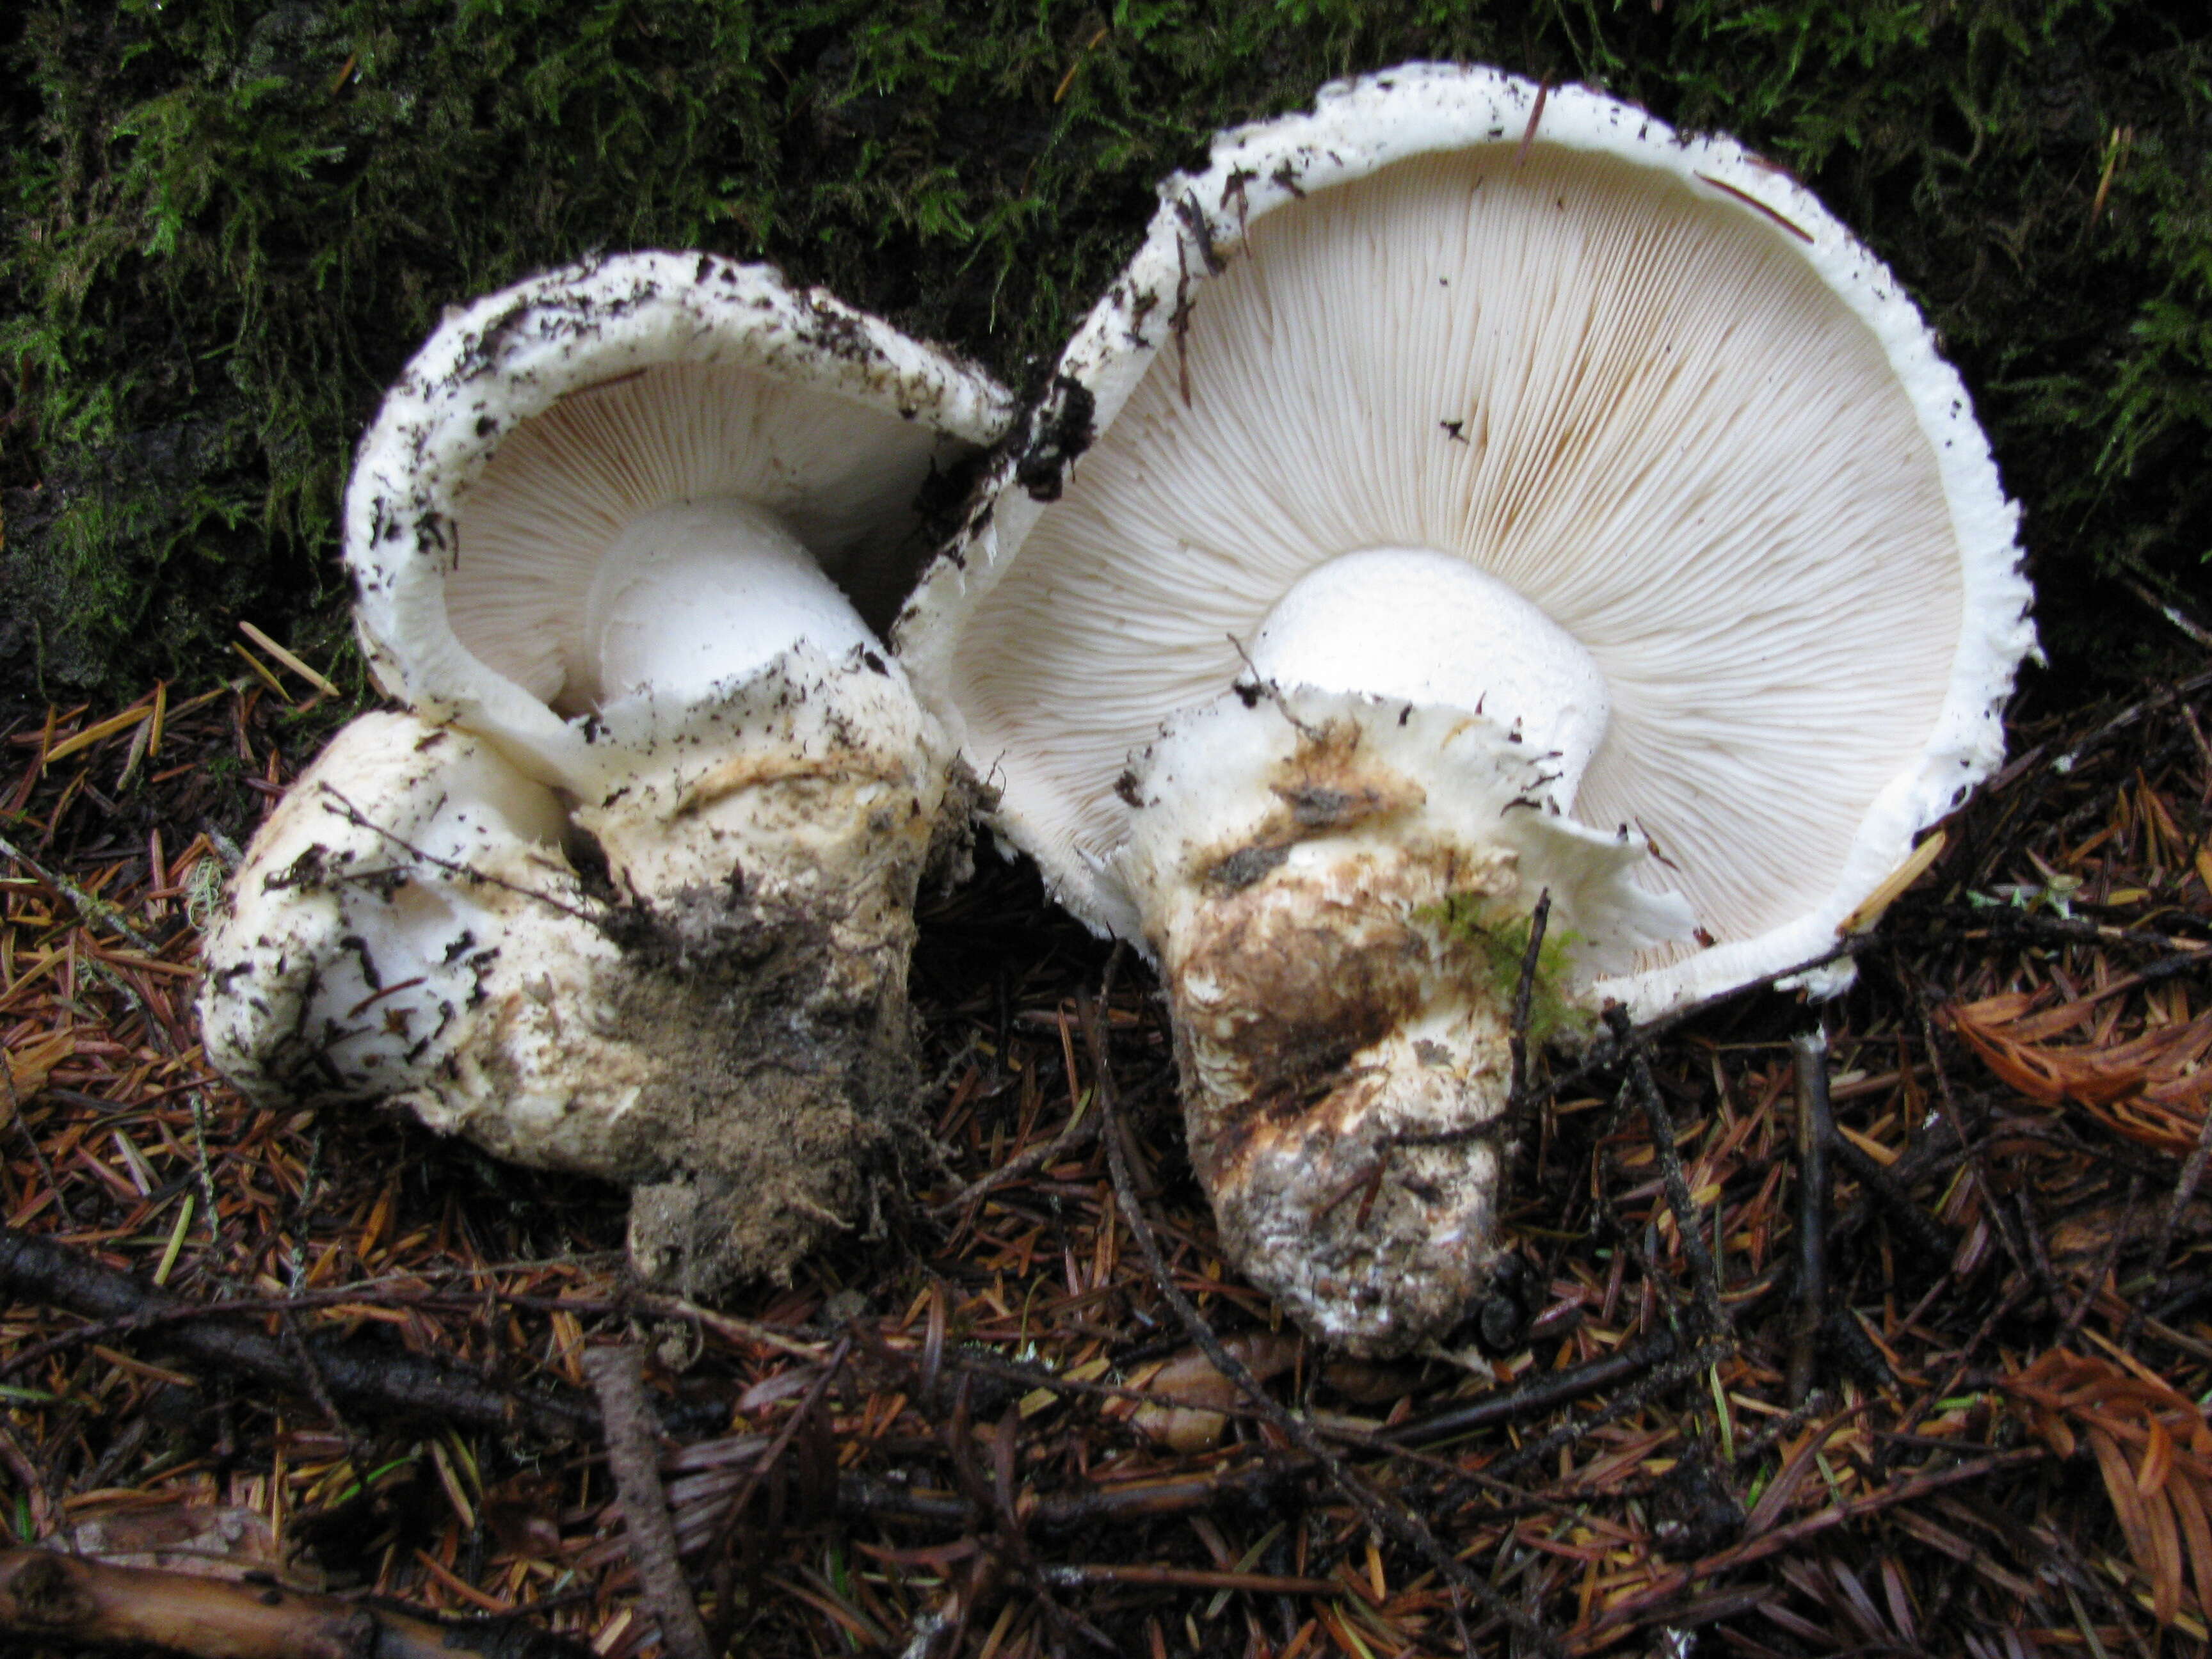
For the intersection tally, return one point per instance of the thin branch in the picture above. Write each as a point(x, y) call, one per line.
point(53, 1598)
point(353, 815)
point(617, 1376)
point(94, 912)
point(356, 1370)
point(1815, 1128)
point(1689, 1220)
point(1524, 996)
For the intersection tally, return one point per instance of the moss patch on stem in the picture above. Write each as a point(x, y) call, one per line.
point(1498, 934)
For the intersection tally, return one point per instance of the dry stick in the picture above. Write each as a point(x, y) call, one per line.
point(1606, 1053)
point(1552, 1388)
point(16, 1458)
point(357, 1370)
point(2106, 1257)
point(1258, 1583)
point(93, 912)
point(1704, 1276)
point(617, 1376)
point(866, 1496)
point(293, 1302)
point(776, 1448)
point(15, 1102)
point(1816, 1128)
point(1666, 1375)
point(360, 820)
point(1970, 1149)
point(1913, 1415)
point(2152, 704)
point(53, 1598)
point(1072, 1138)
point(2074, 929)
point(1393, 1521)
point(1524, 992)
point(1927, 1234)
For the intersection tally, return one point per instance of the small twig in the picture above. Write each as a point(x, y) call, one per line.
point(1704, 1276)
point(617, 1376)
point(2064, 929)
point(1605, 1053)
point(1665, 1374)
point(1549, 1389)
point(353, 815)
point(2106, 1258)
point(1393, 1521)
point(210, 1212)
point(53, 1598)
point(2173, 613)
point(1913, 1416)
point(15, 1102)
point(1273, 692)
point(1076, 1577)
point(1816, 1128)
point(366, 1372)
point(1976, 1165)
point(792, 1425)
point(1524, 992)
point(29, 1479)
point(1928, 1235)
point(1782, 1538)
point(1072, 1138)
point(2158, 700)
point(94, 912)
point(311, 1376)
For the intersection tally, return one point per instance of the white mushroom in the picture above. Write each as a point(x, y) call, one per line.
point(628, 521)
point(623, 519)
point(406, 928)
point(1466, 491)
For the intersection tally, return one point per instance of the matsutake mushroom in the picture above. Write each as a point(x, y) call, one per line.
point(1469, 493)
point(628, 524)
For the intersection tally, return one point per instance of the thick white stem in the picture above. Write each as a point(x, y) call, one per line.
point(1430, 628)
point(1334, 887)
point(706, 594)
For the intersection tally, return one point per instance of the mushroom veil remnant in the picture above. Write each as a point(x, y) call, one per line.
point(1469, 493)
point(627, 524)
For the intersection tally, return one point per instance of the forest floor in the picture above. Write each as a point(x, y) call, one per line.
point(331, 1354)
point(340, 1353)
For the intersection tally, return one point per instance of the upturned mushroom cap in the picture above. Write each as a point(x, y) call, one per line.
point(1646, 379)
point(1465, 398)
point(539, 425)
point(601, 503)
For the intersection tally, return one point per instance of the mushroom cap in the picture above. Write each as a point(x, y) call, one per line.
point(538, 422)
point(1644, 380)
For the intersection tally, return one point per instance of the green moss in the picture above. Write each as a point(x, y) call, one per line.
point(228, 224)
point(1497, 936)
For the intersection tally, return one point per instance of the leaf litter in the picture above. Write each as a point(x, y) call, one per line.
point(980, 1425)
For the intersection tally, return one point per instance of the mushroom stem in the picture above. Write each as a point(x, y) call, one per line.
point(1429, 628)
point(1337, 888)
point(706, 593)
